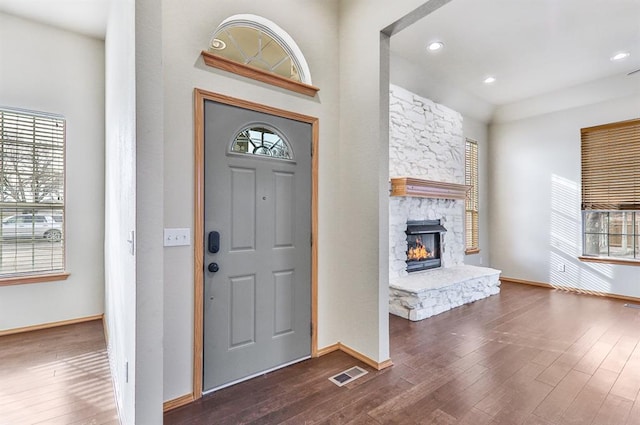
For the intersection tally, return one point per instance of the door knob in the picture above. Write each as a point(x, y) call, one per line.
point(213, 267)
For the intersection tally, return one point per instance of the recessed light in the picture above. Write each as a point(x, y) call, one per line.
point(435, 46)
point(620, 56)
point(489, 80)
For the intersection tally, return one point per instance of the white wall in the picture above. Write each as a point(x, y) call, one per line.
point(120, 215)
point(535, 199)
point(134, 200)
point(149, 212)
point(186, 32)
point(46, 69)
point(364, 172)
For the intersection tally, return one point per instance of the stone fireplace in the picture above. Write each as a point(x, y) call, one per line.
point(427, 274)
point(426, 143)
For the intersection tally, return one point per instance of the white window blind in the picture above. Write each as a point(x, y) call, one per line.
point(32, 172)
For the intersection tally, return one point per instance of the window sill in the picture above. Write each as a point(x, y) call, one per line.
point(40, 278)
point(247, 71)
point(609, 260)
point(472, 251)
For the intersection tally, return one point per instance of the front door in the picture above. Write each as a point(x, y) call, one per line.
point(257, 278)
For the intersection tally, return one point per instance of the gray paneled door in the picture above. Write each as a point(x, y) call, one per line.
point(257, 305)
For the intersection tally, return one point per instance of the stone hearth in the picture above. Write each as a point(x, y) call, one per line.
point(425, 294)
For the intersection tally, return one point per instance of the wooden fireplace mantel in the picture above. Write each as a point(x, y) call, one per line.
point(409, 186)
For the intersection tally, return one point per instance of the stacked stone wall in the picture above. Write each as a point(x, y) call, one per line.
point(425, 141)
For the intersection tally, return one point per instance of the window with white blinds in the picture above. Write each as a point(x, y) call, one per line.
point(32, 173)
point(611, 190)
point(472, 223)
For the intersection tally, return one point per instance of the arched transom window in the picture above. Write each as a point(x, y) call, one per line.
point(259, 139)
point(260, 43)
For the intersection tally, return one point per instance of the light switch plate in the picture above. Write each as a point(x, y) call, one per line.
point(177, 237)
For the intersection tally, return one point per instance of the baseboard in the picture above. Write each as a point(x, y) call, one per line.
point(329, 349)
point(525, 282)
point(50, 325)
point(569, 289)
point(355, 354)
point(177, 402)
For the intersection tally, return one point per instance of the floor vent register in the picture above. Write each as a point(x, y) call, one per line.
point(347, 376)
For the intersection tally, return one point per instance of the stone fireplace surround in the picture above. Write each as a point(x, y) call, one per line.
point(426, 145)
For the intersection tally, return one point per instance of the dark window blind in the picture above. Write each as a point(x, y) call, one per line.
point(611, 166)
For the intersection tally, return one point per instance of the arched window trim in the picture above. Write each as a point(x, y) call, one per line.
point(274, 31)
point(279, 35)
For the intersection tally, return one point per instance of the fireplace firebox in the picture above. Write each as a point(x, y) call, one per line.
point(424, 239)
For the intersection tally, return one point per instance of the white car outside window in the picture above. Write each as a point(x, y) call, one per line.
point(34, 226)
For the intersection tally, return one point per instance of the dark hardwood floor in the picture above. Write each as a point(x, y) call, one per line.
point(56, 376)
point(529, 356)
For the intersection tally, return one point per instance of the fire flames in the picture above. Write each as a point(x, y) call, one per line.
point(419, 252)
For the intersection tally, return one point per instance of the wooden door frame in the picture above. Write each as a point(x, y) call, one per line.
point(200, 96)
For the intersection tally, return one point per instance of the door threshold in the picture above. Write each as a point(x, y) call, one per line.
point(255, 375)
